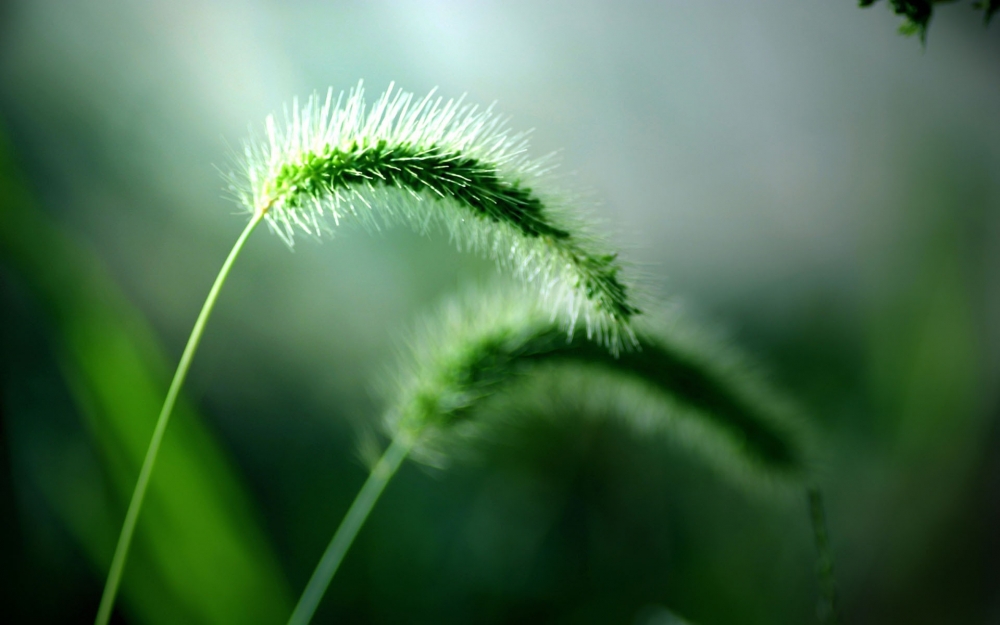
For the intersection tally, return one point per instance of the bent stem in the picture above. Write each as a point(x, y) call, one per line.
point(135, 505)
point(353, 520)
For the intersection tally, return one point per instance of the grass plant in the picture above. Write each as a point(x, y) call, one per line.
point(422, 162)
point(431, 164)
point(676, 382)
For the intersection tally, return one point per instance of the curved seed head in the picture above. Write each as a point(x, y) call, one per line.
point(430, 163)
point(489, 357)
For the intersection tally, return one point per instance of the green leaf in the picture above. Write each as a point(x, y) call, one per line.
point(200, 554)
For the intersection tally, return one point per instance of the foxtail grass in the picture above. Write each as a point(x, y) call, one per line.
point(424, 162)
point(674, 382)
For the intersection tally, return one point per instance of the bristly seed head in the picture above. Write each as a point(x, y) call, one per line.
point(425, 163)
point(494, 354)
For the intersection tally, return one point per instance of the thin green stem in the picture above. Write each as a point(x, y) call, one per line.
point(135, 505)
point(827, 609)
point(353, 520)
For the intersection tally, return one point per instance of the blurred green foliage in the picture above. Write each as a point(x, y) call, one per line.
point(200, 556)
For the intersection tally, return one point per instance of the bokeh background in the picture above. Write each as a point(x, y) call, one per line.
point(822, 190)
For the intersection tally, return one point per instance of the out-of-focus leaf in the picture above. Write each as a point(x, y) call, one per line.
point(199, 555)
point(918, 13)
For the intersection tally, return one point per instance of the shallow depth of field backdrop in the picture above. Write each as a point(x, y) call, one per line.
point(820, 189)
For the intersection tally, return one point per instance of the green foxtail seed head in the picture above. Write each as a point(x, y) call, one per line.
point(428, 163)
point(497, 353)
